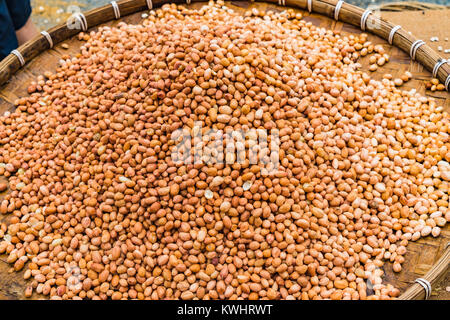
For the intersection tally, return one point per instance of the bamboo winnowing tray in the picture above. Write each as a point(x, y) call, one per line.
point(427, 255)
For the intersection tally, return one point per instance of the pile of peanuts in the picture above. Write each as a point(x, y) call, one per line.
point(434, 85)
point(97, 208)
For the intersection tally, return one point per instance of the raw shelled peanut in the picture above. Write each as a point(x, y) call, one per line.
point(3, 186)
point(373, 67)
point(405, 77)
point(434, 85)
point(100, 211)
point(398, 82)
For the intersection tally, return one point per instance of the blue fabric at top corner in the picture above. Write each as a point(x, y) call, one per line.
point(13, 16)
point(19, 11)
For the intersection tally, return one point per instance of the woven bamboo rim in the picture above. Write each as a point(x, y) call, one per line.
point(436, 273)
point(345, 12)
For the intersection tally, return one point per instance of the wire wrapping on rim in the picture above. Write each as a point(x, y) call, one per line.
point(48, 37)
point(19, 56)
point(438, 64)
point(309, 4)
point(337, 9)
point(281, 2)
point(392, 33)
point(364, 19)
point(188, 1)
point(426, 285)
point(116, 9)
point(447, 85)
point(149, 4)
point(414, 47)
point(82, 19)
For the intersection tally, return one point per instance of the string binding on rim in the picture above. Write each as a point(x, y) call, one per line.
point(188, 1)
point(149, 4)
point(438, 64)
point(281, 2)
point(392, 33)
point(414, 47)
point(309, 4)
point(82, 19)
point(337, 9)
point(19, 56)
point(364, 17)
point(48, 37)
point(426, 285)
point(116, 9)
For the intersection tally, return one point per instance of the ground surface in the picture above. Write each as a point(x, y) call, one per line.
point(47, 13)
